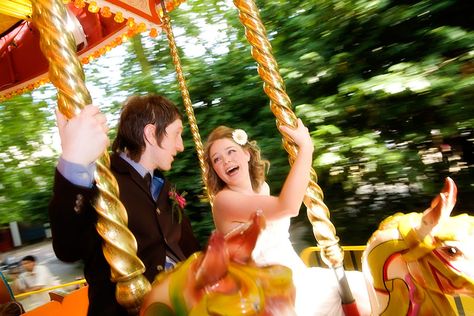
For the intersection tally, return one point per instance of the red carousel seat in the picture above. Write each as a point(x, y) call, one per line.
point(52, 308)
point(5, 291)
point(73, 304)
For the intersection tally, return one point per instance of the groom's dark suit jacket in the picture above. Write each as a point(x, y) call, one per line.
point(157, 232)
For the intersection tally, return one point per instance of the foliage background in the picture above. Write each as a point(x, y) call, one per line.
point(386, 87)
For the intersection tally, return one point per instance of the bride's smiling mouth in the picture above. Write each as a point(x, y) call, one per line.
point(232, 170)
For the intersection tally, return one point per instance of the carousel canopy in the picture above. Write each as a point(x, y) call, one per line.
point(98, 26)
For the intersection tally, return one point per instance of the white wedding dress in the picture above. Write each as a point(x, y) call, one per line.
point(316, 288)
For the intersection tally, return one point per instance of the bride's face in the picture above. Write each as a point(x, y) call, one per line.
point(230, 161)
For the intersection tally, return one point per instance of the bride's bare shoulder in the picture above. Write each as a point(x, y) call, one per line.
point(224, 197)
point(224, 193)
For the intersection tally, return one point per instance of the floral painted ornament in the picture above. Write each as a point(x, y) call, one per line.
point(178, 202)
point(240, 137)
point(223, 280)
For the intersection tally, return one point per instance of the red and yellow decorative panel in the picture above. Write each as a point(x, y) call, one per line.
point(105, 24)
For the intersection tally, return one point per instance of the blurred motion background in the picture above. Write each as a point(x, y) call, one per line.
point(386, 88)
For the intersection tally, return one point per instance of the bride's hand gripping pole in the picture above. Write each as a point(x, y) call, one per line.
point(65, 72)
point(280, 105)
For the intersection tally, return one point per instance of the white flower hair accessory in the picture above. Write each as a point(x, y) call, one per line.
point(240, 136)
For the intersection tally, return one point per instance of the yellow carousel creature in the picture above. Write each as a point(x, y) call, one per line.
point(414, 260)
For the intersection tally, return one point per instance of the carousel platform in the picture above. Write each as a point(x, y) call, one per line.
point(75, 303)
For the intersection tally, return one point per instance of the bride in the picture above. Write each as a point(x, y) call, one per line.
point(235, 179)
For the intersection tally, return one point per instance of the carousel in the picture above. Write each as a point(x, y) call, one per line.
point(414, 264)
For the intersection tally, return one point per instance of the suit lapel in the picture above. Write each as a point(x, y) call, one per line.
point(121, 166)
point(168, 226)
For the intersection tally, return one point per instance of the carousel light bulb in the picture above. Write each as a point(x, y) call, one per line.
point(79, 4)
point(131, 22)
point(141, 27)
point(105, 12)
point(153, 32)
point(118, 17)
point(93, 7)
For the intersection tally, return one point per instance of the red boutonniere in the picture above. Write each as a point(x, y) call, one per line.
point(178, 202)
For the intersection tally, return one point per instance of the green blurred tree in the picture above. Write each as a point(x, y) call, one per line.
point(26, 170)
point(384, 86)
point(388, 88)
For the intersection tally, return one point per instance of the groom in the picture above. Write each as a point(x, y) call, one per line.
point(148, 139)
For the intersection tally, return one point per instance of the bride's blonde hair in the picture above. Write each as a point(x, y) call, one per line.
point(257, 166)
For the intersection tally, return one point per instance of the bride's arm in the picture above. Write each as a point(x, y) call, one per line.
point(297, 181)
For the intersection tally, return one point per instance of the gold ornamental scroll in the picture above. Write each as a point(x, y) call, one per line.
point(280, 104)
point(188, 105)
point(65, 72)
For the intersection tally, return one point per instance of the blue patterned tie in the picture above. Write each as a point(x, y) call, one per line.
point(156, 185)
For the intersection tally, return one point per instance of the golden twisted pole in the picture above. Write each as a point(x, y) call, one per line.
point(65, 72)
point(280, 104)
point(188, 105)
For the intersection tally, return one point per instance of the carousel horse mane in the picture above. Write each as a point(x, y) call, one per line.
point(223, 280)
point(414, 260)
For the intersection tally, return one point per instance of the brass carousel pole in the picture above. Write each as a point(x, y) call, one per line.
point(65, 72)
point(188, 105)
point(280, 105)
